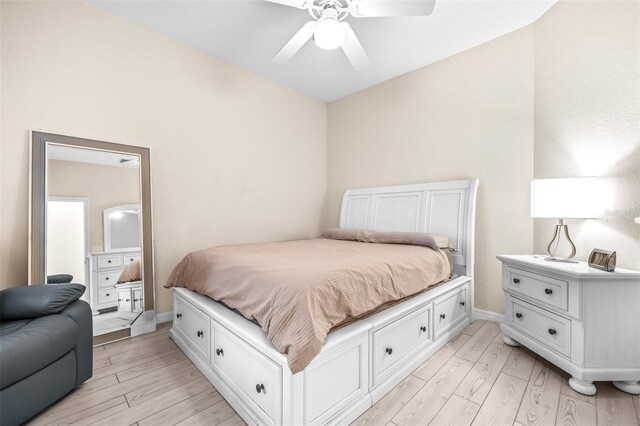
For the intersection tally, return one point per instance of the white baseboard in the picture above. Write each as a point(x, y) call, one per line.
point(164, 317)
point(487, 315)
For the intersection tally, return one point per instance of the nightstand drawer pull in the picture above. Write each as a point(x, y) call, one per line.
point(518, 315)
point(552, 331)
point(516, 280)
point(462, 303)
point(423, 329)
point(442, 316)
point(389, 351)
point(177, 315)
point(548, 291)
point(219, 352)
point(200, 334)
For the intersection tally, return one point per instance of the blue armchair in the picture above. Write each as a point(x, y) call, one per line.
point(46, 339)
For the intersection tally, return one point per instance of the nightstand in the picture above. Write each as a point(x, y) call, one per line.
point(585, 321)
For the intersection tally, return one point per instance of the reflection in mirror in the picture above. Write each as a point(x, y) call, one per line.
point(84, 185)
point(122, 228)
point(96, 209)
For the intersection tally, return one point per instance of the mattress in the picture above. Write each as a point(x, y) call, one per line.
point(298, 291)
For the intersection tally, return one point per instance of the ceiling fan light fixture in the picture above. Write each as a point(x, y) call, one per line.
point(329, 33)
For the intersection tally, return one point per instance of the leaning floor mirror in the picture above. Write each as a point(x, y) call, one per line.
point(91, 225)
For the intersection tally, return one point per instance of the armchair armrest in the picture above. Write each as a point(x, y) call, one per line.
point(37, 300)
point(80, 312)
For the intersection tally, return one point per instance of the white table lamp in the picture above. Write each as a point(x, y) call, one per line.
point(565, 198)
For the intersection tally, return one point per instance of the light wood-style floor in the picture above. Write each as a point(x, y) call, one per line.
point(475, 379)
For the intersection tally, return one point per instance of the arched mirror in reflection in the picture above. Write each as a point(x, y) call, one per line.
point(122, 228)
point(91, 224)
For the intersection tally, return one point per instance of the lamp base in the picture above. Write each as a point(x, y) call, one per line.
point(560, 229)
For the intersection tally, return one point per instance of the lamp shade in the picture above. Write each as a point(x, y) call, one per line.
point(566, 198)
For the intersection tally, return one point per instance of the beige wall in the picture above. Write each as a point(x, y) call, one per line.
point(567, 87)
point(104, 186)
point(230, 164)
point(467, 116)
point(234, 157)
point(587, 121)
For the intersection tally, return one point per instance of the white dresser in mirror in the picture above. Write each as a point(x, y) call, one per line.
point(106, 268)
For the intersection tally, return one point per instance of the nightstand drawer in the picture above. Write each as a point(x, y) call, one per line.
point(549, 291)
point(548, 328)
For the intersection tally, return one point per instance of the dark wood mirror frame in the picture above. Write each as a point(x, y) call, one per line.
point(38, 202)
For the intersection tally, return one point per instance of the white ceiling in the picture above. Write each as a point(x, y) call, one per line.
point(249, 33)
point(92, 156)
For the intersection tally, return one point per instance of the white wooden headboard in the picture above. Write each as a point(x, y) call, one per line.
point(444, 208)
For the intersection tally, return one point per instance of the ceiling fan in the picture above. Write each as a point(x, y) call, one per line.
point(329, 31)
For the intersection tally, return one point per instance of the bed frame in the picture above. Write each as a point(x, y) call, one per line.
point(360, 363)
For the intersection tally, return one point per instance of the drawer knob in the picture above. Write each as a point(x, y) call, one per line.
point(108, 261)
point(106, 278)
point(131, 259)
point(518, 315)
point(120, 300)
point(219, 352)
point(107, 294)
point(200, 334)
point(127, 300)
point(552, 331)
point(442, 316)
point(462, 303)
point(516, 280)
point(548, 291)
point(259, 388)
point(389, 351)
point(177, 315)
point(423, 329)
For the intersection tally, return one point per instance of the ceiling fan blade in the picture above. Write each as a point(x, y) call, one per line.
point(380, 8)
point(353, 49)
point(297, 41)
point(300, 4)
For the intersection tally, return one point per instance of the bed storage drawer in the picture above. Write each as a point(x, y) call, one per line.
point(194, 325)
point(546, 327)
point(397, 340)
point(336, 379)
point(448, 310)
point(249, 373)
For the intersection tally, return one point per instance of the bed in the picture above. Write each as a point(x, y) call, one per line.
point(334, 379)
